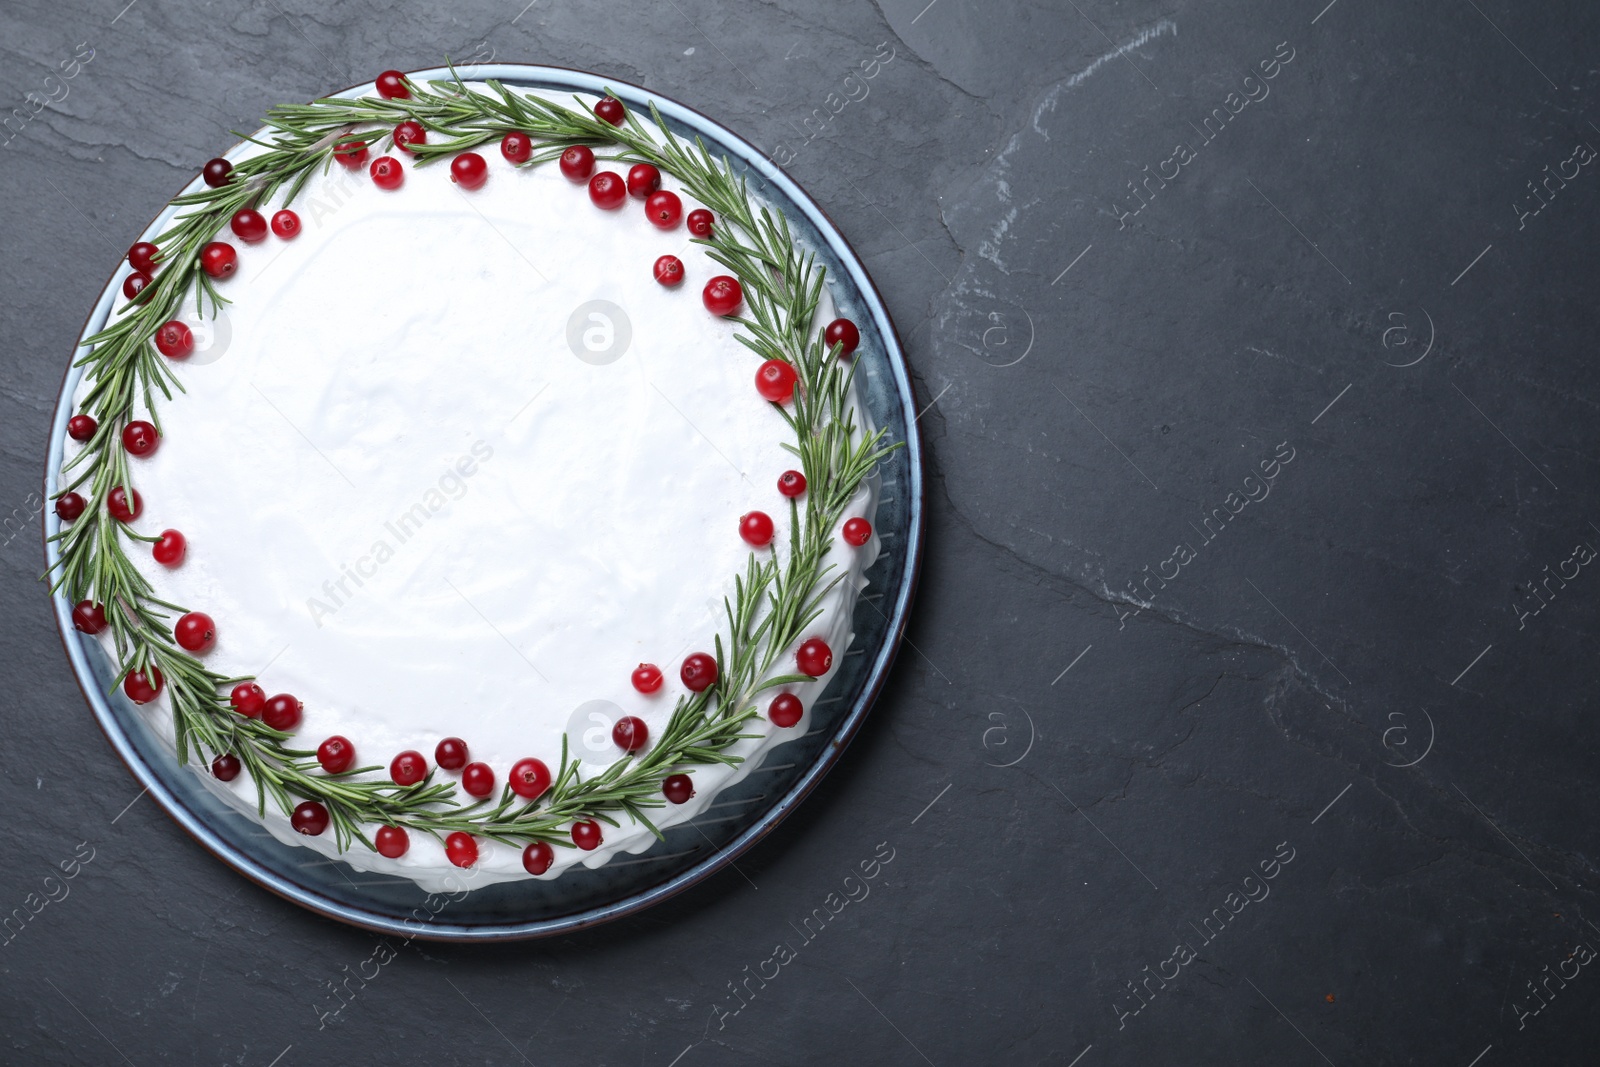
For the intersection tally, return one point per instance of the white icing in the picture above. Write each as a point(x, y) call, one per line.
point(407, 355)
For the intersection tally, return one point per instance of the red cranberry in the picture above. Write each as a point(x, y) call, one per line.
point(336, 754)
point(195, 632)
point(663, 209)
point(249, 225)
point(647, 678)
point(282, 712)
point(722, 295)
point(607, 191)
point(791, 483)
point(577, 162)
point(408, 768)
point(89, 617)
point(392, 842)
point(537, 857)
point(309, 818)
point(529, 778)
point(814, 657)
point(630, 733)
point(225, 767)
point(678, 788)
point(81, 427)
point(140, 438)
point(391, 85)
point(248, 699)
point(451, 754)
point(216, 172)
point(125, 505)
point(611, 110)
point(69, 506)
point(699, 672)
point(352, 154)
point(643, 179)
point(469, 170)
point(143, 686)
point(516, 146)
point(842, 332)
point(700, 222)
point(219, 259)
point(134, 284)
point(170, 548)
point(174, 340)
point(586, 835)
point(142, 256)
point(460, 849)
point(478, 779)
point(857, 532)
point(387, 173)
point(286, 224)
point(775, 381)
point(755, 528)
point(669, 271)
point(785, 710)
point(408, 133)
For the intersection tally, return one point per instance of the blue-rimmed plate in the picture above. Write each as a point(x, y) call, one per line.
point(743, 813)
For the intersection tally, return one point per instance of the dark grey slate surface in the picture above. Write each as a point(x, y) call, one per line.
point(1099, 381)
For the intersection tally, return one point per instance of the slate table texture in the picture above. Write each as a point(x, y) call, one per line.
point(1246, 714)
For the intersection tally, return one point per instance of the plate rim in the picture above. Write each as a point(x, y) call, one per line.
point(719, 858)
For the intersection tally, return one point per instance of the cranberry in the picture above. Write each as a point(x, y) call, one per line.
point(469, 170)
point(478, 779)
point(647, 678)
point(134, 284)
point(408, 133)
point(529, 778)
point(248, 699)
point(143, 686)
point(309, 818)
point(755, 528)
point(678, 788)
point(387, 173)
point(460, 849)
point(451, 754)
point(577, 162)
point(700, 222)
point(785, 710)
point(516, 146)
point(791, 483)
point(643, 179)
point(142, 256)
point(286, 224)
point(170, 548)
point(195, 632)
point(89, 617)
point(775, 381)
point(282, 712)
point(669, 271)
point(219, 259)
point(537, 857)
point(663, 209)
point(408, 768)
point(814, 657)
point(699, 672)
point(842, 332)
point(392, 842)
point(174, 340)
point(391, 85)
point(81, 427)
point(225, 767)
point(607, 191)
point(69, 506)
point(352, 154)
point(586, 834)
point(249, 225)
point(216, 172)
point(125, 505)
point(857, 532)
point(336, 754)
point(722, 295)
point(630, 734)
point(611, 110)
point(140, 438)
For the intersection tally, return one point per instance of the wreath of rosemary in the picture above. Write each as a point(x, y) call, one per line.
point(782, 286)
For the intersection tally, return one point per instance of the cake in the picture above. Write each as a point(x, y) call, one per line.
point(478, 507)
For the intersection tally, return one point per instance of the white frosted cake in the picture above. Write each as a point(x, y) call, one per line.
point(451, 466)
